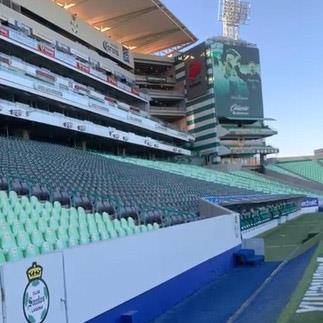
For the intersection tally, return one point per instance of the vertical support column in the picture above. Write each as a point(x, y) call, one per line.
point(84, 145)
point(25, 134)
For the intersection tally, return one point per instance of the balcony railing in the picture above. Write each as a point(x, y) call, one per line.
point(252, 131)
point(254, 150)
point(164, 94)
point(168, 110)
point(155, 79)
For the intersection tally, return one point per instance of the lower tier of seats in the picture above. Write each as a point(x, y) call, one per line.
point(29, 227)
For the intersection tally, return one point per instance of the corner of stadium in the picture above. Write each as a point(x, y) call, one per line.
point(136, 183)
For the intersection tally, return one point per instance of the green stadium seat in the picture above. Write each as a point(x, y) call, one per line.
point(31, 251)
point(14, 254)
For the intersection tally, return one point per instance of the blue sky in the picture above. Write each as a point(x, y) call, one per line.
point(289, 35)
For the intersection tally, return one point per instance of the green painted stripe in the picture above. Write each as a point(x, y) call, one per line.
point(182, 69)
point(208, 126)
point(209, 136)
point(198, 120)
point(202, 109)
point(200, 99)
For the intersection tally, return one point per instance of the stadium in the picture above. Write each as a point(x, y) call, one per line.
point(136, 182)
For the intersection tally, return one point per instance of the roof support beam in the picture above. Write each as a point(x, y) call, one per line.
point(171, 50)
point(123, 19)
point(144, 40)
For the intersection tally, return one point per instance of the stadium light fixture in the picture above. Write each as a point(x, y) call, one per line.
point(70, 5)
point(102, 29)
point(65, 5)
point(129, 47)
point(233, 14)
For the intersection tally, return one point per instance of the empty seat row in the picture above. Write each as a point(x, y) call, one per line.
point(97, 183)
point(29, 227)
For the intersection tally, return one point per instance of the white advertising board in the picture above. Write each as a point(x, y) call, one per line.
point(107, 274)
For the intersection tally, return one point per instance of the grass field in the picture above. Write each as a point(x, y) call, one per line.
point(289, 237)
point(288, 241)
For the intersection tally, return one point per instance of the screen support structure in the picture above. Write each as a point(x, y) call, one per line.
point(233, 14)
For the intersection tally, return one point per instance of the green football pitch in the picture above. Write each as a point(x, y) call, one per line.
point(290, 240)
point(293, 237)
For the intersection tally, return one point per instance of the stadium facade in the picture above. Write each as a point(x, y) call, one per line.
point(91, 81)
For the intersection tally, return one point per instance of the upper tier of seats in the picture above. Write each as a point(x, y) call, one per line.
point(267, 185)
point(242, 179)
point(310, 169)
point(281, 170)
point(60, 173)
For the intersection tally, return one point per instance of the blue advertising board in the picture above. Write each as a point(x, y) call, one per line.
point(310, 202)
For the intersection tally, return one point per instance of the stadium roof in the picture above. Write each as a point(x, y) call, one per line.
point(145, 26)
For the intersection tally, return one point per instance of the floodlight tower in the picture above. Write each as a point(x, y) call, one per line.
point(233, 14)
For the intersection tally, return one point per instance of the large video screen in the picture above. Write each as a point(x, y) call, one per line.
point(196, 77)
point(237, 81)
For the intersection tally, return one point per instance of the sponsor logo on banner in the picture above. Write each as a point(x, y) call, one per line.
point(112, 80)
point(36, 295)
point(310, 202)
point(96, 97)
point(47, 50)
point(81, 89)
point(4, 32)
point(125, 54)
point(66, 58)
point(23, 28)
point(237, 109)
point(82, 67)
point(44, 76)
point(111, 48)
point(98, 74)
point(135, 91)
point(47, 90)
point(68, 125)
point(124, 87)
point(63, 48)
point(16, 113)
point(23, 39)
